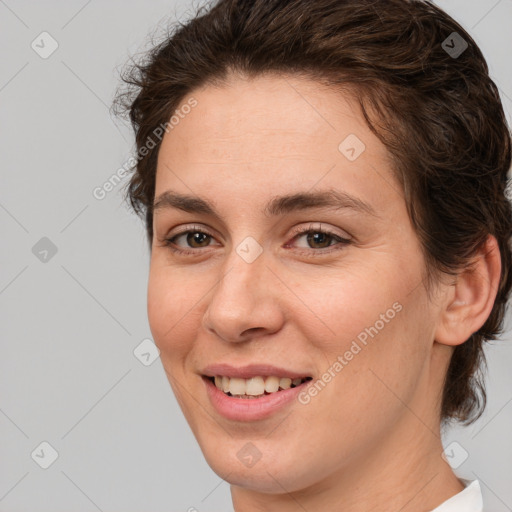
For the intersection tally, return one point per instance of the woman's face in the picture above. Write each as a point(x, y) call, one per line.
point(280, 280)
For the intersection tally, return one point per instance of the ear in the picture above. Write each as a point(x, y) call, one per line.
point(469, 301)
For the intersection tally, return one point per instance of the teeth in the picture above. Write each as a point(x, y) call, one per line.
point(237, 386)
point(271, 384)
point(255, 386)
point(285, 383)
point(225, 384)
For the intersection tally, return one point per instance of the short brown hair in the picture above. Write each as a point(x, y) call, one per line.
point(437, 112)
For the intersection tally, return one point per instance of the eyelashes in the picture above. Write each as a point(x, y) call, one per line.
point(311, 231)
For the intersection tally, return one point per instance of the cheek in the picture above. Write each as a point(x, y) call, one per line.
point(373, 327)
point(342, 305)
point(173, 303)
point(385, 362)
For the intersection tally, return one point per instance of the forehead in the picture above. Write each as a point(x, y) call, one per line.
point(270, 134)
point(273, 109)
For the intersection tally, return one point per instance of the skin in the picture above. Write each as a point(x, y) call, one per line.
point(370, 440)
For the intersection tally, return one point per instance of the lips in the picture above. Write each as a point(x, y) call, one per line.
point(245, 409)
point(251, 399)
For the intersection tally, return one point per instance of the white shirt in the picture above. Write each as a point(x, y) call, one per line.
point(467, 500)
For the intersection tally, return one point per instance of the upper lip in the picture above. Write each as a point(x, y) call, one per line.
point(250, 370)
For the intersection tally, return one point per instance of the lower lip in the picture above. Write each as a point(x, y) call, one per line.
point(250, 409)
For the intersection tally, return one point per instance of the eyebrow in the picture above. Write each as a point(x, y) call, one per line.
point(331, 199)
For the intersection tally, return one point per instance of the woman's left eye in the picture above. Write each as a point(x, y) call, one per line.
point(316, 238)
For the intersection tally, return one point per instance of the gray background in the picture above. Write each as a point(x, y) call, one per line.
point(70, 324)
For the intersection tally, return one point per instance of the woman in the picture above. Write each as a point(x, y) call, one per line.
point(323, 184)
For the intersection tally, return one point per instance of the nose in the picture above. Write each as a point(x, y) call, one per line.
point(244, 304)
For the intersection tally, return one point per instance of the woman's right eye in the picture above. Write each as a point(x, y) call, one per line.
point(192, 237)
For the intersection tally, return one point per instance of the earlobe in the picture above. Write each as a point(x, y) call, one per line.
point(470, 300)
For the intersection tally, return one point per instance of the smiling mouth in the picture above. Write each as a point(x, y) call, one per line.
point(255, 387)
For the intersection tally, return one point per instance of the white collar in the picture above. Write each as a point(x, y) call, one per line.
point(467, 500)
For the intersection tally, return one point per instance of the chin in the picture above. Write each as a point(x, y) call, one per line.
point(232, 462)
